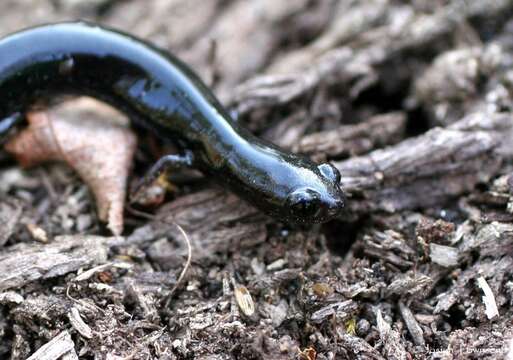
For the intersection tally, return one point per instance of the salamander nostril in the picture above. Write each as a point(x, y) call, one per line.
point(335, 207)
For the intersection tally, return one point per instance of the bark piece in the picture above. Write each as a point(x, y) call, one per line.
point(490, 240)
point(209, 218)
point(350, 140)
point(10, 214)
point(403, 30)
point(442, 255)
point(393, 347)
point(450, 86)
point(431, 168)
point(79, 324)
point(411, 285)
point(56, 348)
point(348, 22)
point(390, 247)
point(489, 269)
point(342, 310)
point(23, 264)
point(412, 324)
point(356, 347)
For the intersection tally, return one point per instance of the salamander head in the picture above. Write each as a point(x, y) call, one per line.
point(318, 200)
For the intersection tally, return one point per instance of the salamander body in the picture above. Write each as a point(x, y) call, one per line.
point(159, 92)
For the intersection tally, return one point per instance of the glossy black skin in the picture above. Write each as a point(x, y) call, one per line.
point(161, 93)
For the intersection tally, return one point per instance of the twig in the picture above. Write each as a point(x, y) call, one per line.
point(185, 268)
point(187, 242)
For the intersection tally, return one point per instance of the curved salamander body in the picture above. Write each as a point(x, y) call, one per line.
point(159, 92)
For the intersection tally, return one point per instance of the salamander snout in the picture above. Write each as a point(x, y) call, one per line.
point(319, 202)
point(307, 205)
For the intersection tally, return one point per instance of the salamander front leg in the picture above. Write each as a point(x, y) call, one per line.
point(163, 164)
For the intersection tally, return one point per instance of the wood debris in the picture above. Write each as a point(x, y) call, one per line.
point(24, 264)
point(60, 347)
point(488, 298)
point(412, 102)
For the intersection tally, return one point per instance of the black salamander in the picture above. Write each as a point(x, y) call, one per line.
point(161, 93)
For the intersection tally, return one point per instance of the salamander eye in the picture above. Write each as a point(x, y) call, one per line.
point(330, 172)
point(304, 203)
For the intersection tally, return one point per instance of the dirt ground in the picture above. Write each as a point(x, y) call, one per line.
point(410, 100)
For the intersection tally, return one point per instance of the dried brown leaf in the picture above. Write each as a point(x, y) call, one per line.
point(98, 150)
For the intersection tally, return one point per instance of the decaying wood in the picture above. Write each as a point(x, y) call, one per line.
point(410, 100)
point(399, 30)
point(351, 140)
point(412, 324)
point(222, 218)
point(9, 217)
point(60, 347)
point(24, 264)
point(429, 169)
point(393, 348)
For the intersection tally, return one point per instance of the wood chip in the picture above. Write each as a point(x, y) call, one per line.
point(78, 323)
point(66, 254)
point(412, 324)
point(10, 214)
point(393, 347)
point(54, 349)
point(350, 140)
point(342, 309)
point(442, 255)
point(488, 298)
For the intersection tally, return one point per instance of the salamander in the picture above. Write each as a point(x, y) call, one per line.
point(162, 94)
